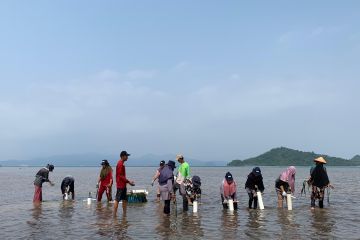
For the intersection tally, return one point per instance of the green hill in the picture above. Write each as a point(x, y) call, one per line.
point(285, 157)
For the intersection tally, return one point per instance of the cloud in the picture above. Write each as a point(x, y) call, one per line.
point(181, 65)
point(141, 74)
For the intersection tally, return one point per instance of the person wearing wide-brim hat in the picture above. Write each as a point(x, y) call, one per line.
point(105, 181)
point(166, 181)
point(319, 181)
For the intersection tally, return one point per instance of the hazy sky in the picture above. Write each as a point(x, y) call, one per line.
point(214, 80)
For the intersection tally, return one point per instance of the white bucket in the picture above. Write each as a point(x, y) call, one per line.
point(231, 204)
point(66, 196)
point(260, 200)
point(195, 206)
point(89, 201)
point(289, 201)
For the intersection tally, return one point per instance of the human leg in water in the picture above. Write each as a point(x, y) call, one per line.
point(251, 199)
point(280, 199)
point(321, 197)
point(255, 202)
point(167, 207)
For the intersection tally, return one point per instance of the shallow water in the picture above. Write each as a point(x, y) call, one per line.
point(56, 219)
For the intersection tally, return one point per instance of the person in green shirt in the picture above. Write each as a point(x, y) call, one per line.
point(183, 173)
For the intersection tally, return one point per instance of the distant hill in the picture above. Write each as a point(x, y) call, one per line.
point(285, 157)
point(94, 159)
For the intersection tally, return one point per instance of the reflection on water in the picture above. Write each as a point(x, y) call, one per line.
point(55, 218)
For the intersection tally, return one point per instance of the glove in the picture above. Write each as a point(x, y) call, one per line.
point(152, 184)
point(284, 194)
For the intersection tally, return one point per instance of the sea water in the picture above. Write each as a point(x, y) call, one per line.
point(58, 219)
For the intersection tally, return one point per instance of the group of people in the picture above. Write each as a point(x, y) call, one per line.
point(284, 184)
point(189, 188)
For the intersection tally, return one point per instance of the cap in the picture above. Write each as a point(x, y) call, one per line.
point(50, 167)
point(256, 171)
point(105, 162)
point(171, 163)
point(179, 156)
point(162, 163)
point(228, 176)
point(124, 153)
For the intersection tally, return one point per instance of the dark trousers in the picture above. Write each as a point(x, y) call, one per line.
point(167, 207)
point(252, 199)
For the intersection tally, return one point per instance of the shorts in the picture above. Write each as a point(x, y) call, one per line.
point(121, 194)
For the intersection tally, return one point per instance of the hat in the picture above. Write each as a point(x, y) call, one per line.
point(162, 163)
point(320, 160)
point(171, 163)
point(228, 176)
point(179, 156)
point(124, 153)
point(256, 171)
point(50, 167)
point(105, 162)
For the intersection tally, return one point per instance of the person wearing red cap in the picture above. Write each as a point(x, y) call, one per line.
point(121, 182)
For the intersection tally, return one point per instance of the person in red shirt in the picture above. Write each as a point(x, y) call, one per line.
point(105, 181)
point(121, 182)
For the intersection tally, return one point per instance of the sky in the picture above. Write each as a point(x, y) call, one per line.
point(213, 80)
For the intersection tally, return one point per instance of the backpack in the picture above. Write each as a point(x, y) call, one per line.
point(165, 174)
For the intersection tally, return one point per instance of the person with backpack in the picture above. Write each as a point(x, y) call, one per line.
point(319, 181)
point(166, 180)
point(67, 187)
point(41, 176)
point(156, 176)
point(285, 183)
point(253, 183)
point(105, 181)
point(228, 190)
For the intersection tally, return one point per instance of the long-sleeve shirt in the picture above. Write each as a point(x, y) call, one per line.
point(121, 179)
point(253, 180)
point(41, 176)
point(231, 190)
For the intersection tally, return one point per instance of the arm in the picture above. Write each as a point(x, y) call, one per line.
point(156, 176)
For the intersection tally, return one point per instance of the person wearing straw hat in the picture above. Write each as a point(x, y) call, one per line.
point(156, 176)
point(319, 181)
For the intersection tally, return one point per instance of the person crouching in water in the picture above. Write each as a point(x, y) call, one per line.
point(319, 181)
point(166, 181)
point(67, 187)
point(105, 181)
point(228, 190)
point(285, 183)
point(41, 176)
point(253, 183)
point(156, 176)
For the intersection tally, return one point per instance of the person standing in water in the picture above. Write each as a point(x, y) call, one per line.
point(121, 182)
point(183, 173)
point(156, 176)
point(253, 183)
point(166, 180)
point(285, 183)
point(41, 176)
point(105, 181)
point(228, 190)
point(67, 187)
point(319, 181)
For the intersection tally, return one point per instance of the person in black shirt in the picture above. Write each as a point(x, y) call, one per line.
point(41, 176)
point(253, 183)
point(67, 187)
